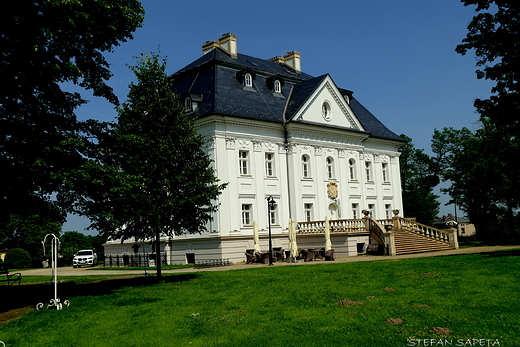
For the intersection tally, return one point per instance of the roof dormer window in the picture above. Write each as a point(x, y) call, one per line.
point(188, 105)
point(246, 77)
point(248, 80)
point(191, 101)
point(277, 86)
point(275, 83)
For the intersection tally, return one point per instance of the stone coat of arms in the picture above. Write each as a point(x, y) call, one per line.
point(332, 190)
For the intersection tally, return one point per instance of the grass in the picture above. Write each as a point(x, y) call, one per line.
point(475, 296)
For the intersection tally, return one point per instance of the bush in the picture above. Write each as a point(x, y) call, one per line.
point(18, 258)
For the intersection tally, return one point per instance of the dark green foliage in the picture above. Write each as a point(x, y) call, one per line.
point(73, 241)
point(18, 258)
point(418, 178)
point(155, 175)
point(27, 229)
point(46, 46)
point(151, 175)
point(484, 170)
point(480, 181)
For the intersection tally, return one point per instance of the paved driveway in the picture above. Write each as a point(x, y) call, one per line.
point(85, 271)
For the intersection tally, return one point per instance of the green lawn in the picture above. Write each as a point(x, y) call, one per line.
point(475, 296)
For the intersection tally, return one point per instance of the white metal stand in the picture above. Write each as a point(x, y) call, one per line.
point(55, 303)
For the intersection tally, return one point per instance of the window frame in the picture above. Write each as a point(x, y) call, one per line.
point(277, 86)
point(385, 172)
point(308, 211)
point(368, 171)
point(270, 164)
point(306, 166)
point(352, 169)
point(329, 162)
point(355, 210)
point(247, 215)
point(188, 105)
point(248, 80)
point(273, 214)
point(243, 163)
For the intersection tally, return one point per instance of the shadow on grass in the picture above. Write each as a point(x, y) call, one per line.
point(17, 297)
point(499, 254)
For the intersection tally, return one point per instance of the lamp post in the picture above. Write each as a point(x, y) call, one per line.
point(270, 203)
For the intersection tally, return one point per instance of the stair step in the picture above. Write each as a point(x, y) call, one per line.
point(407, 242)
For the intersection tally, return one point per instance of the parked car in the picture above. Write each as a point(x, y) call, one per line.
point(85, 257)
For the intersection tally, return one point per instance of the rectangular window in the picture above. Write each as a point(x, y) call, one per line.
point(371, 208)
point(368, 171)
point(269, 164)
point(308, 212)
point(247, 214)
point(386, 178)
point(273, 214)
point(388, 211)
point(243, 162)
point(355, 211)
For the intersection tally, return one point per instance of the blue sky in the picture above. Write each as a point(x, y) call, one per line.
point(397, 56)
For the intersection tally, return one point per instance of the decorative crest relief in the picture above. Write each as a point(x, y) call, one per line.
point(332, 190)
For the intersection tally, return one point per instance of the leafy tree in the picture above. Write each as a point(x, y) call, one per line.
point(46, 46)
point(157, 179)
point(28, 230)
point(71, 242)
point(479, 181)
point(494, 35)
point(418, 178)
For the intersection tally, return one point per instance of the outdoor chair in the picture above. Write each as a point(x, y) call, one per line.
point(250, 258)
point(329, 255)
point(278, 254)
point(307, 255)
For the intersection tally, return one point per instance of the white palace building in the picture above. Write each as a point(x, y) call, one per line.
point(275, 131)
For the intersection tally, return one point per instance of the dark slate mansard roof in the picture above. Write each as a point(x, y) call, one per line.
point(216, 76)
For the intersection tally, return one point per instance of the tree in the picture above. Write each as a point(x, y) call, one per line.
point(46, 46)
point(28, 232)
point(479, 181)
point(418, 178)
point(494, 35)
point(157, 179)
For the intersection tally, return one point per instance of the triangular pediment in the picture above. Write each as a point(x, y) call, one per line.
point(324, 105)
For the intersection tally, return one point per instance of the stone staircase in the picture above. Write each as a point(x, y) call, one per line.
point(407, 242)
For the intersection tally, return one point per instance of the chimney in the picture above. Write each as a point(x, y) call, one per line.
point(293, 60)
point(229, 43)
point(209, 46)
point(277, 59)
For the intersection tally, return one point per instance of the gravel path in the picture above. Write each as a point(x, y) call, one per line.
point(70, 271)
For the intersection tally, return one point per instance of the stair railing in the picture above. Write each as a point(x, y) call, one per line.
point(336, 226)
point(448, 236)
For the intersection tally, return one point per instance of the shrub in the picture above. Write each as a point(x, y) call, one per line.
point(18, 258)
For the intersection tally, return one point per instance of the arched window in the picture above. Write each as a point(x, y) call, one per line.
point(368, 171)
point(352, 169)
point(306, 166)
point(248, 80)
point(277, 86)
point(188, 105)
point(386, 176)
point(330, 168)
